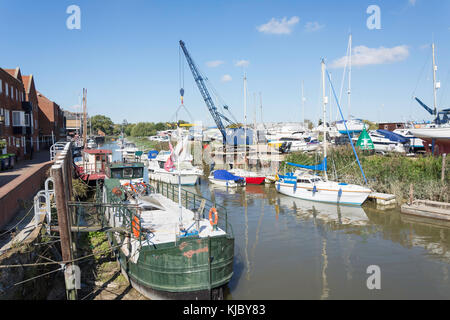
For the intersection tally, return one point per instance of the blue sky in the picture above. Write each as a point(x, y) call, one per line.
point(127, 55)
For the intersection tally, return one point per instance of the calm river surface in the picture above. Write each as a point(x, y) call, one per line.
point(288, 248)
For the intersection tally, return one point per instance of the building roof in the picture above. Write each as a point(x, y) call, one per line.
point(14, 73)
point(27, 83)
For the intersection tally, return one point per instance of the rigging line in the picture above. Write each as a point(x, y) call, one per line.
point(346, 129)
point(427, 61)
point(344, 73)
point(34, 278)
point(51, 263)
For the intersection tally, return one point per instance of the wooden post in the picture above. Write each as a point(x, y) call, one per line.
point(444, 162)
point(64, 223)
point(411, 193)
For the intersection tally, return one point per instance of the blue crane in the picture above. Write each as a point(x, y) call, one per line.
point(217, 116)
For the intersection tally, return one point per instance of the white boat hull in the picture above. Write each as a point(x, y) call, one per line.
point(224, 183)
point(327, 194)
point(172, 178)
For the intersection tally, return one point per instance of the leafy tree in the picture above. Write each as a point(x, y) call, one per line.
point(103, 123)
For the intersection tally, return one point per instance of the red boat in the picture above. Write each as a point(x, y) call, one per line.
point(250, 177)
point(255, 180)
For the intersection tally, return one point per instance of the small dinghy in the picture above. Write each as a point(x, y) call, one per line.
point(226, 179)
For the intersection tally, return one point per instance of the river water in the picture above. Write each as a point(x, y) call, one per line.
point(286, 248)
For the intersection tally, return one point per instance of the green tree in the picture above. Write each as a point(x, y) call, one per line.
point(143, 129)
point(103, 123)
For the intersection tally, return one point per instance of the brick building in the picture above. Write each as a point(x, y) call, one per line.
point(31, 107)
point(24, 124)
point(14, 123)
point(51, 121)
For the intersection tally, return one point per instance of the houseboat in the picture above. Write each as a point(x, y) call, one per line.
point(169, 249)
point(93, 163)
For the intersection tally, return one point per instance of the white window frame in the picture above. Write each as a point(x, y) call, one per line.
point(21, 122)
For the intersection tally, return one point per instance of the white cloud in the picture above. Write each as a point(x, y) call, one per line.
point(313, 26)
point(283, 26)
point(215, 63)
point(363, 56)
point(412, 2)
point(226, 78)
point(242, 63)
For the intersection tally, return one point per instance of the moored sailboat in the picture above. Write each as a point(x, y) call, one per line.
point(303, 185)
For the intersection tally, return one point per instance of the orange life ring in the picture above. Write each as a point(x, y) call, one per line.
point(117, 191)
point(135, 226)
point(216, 217)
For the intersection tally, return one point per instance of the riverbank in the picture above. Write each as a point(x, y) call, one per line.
point(393, 173)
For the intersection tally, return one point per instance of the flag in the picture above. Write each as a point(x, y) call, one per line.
point(169, 165)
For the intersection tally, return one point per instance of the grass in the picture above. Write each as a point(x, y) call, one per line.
point(392, 173)
point(147, 145)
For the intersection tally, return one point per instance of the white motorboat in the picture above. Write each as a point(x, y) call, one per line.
point(386, 141)
point(189, 174)
point(226, 179)
point(91, 144)
point(353, 126)
point(414, 142)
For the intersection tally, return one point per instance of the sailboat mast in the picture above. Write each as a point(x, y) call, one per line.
point(434, 81)
point(303, 102)
point(349, 75)
point(324, 121)
point(245, 120)
point(84, 118)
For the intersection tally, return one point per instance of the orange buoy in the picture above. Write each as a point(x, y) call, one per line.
point(216, 217)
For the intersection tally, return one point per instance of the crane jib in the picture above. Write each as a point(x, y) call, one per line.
point(205, 94)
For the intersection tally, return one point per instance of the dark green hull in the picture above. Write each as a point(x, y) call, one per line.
point(193, 268)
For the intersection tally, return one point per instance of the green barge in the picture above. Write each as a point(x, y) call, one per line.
point(160, 259)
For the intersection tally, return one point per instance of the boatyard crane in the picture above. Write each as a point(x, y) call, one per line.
point(217, 116)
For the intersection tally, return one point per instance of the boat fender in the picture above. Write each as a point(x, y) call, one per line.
point(135, 226)
point(295, 186)
point(314, 189)
point(340, 193)
point(216, 217)
point(278, 186)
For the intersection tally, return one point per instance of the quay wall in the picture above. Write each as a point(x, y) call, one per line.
point(20, 189)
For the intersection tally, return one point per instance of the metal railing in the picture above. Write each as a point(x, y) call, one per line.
point(58, 147)
point(192, 201)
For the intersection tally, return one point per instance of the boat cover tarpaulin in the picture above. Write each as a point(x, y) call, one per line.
point(225, 175)
point(393, 136)
point(320, 167)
